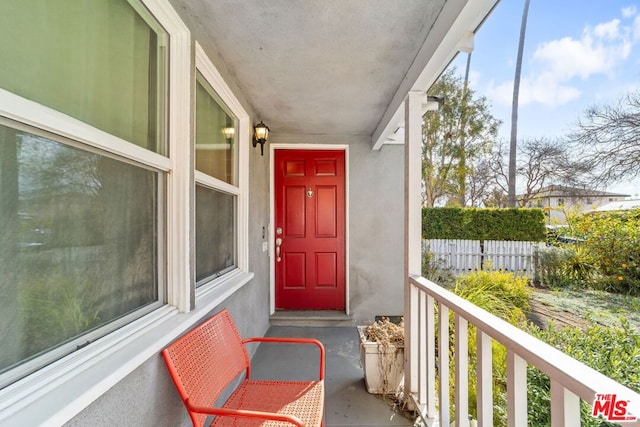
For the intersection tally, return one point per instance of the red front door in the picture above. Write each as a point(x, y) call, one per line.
point(310, 229)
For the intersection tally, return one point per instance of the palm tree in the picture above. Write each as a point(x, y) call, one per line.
point(511, 201)
point(462, 165)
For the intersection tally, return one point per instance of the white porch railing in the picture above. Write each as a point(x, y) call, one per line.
point(570, 379)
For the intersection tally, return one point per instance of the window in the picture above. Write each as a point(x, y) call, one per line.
point(215, 135)
point(215, 237)
point(216, 187)
point(101, 62)
point(82, 215)
point(93, 228)
point(560, 202)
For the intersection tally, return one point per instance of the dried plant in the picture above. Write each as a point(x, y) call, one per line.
point(386, 332)
point(389, 337)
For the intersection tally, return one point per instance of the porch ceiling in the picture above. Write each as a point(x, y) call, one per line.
point(322, 67)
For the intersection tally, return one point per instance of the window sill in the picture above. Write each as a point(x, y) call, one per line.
point(56, 393)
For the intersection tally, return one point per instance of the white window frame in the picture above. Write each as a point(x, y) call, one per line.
point(210, 74)
point(56, 393)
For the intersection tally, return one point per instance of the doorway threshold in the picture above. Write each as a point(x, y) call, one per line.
point(314, 318)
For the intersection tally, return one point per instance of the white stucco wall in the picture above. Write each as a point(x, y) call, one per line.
point(377, 232)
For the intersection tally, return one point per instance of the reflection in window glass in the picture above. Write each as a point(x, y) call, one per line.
point(215, 233)
point(215, 135)
point(98, 61)
point(78, 243)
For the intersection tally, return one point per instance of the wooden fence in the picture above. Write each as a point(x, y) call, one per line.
point(462, 256)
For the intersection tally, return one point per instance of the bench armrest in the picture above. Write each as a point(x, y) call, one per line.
point(292, 341)
point(243, 413)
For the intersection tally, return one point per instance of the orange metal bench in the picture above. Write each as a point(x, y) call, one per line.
point(206, 360)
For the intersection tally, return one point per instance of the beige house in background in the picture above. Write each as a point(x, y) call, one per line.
point(556, 200)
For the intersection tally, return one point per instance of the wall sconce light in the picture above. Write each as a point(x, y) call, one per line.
point(261, 136)
point(228, 132)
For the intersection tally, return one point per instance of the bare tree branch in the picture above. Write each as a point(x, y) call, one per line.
point(608, 139)
point(541, 162)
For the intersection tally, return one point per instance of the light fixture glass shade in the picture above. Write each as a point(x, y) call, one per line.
point(262, 132)
point(260, 136)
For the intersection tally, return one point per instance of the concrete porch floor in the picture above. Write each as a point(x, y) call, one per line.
point(347, 402)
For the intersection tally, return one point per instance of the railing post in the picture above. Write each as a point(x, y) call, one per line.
point(461, 371)
point(428, 358)
point(485, 380)
point(516, 390)
point(413, 231)
point(411, 345)
point(443, 360)
point(565, 407)
point(424, 308)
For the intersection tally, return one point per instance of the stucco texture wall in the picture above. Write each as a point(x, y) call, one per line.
point(376, 236)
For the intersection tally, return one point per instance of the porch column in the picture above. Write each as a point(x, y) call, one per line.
point(412, 233)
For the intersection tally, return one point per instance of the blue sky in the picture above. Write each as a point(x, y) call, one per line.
point(577, 54)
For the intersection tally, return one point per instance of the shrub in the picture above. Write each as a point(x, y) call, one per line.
point(612, 250)
point(483, 224)
point(506, 296)
point(550, 266)
point(613, 351)
point(435, 269)
point(570, 265)
point(501, 293)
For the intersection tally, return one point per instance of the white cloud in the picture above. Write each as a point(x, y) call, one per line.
point(630, 11)
point(540, 90)
point(555, 67)
point(608, 30)
point(636, 28)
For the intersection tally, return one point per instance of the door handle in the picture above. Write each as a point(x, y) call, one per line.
point(278, 244)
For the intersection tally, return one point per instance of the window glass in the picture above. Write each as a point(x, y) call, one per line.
point(215, 135)
point(215, 233)
point(98, 61)
point(78, 243)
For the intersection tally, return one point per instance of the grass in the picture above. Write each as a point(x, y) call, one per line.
point(598, 306)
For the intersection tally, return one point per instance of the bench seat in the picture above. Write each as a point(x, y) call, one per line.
point(298, 398)
point(206, 361)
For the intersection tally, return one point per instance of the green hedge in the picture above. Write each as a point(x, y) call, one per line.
point(483, 224)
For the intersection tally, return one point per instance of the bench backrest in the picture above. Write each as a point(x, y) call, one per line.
point(205, 360)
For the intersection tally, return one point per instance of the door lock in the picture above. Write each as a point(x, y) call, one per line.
point(278, 243)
